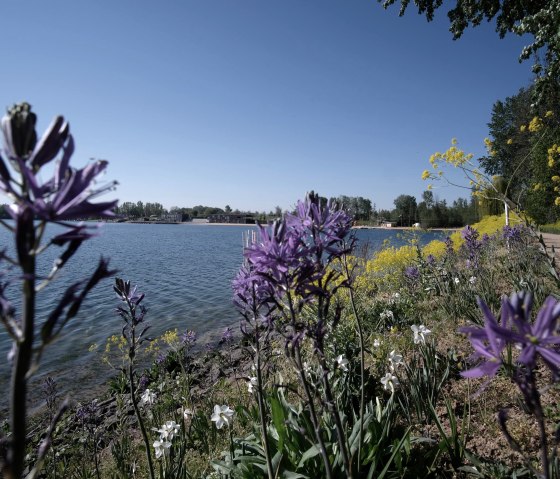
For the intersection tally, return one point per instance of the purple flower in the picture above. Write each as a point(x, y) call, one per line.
point(251, 290)
point(449, 245)
point(471, 245)
point(538, 338)
point(515, 328)
point(322, 228)
point(512, 234)
point(160, 358)
point(430, 260)
point(411, 273)
point(68, 193)
point(188, 338)
point(227, 335)
point(127, 294)
point(488, 345)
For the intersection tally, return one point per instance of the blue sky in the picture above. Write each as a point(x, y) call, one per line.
point(252, 103)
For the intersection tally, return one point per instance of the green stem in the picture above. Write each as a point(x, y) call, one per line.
point(22, 361)
point(260, 401)
point(362, 358)
point(133, 396)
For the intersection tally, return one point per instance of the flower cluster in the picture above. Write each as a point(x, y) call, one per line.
point(292, 256)
point(472, 246)
point(515, 328)
point(513, 234)
point(166, 434)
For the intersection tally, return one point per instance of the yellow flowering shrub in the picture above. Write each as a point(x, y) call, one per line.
point(387, 264)
point(436, 248)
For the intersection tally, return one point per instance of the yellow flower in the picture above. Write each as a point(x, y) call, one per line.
point(548, 114)
point(522, 128)
point(550, 162)
point(429, 187)
point(510, 141)
point(537, 187)
point(557, 201)
point(425, 174)
point(453, 141)
point(535, 124)
point(556, 178)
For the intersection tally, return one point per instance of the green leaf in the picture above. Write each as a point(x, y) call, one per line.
point(311, 452)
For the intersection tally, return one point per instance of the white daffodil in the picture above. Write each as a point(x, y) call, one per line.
point(394, 360)
point(420, 333)
point(342, 362)
point(161, 446)
point(389, 382)
point(221, 415)
point(168, 431)
point(251, 383)
point(148, 397)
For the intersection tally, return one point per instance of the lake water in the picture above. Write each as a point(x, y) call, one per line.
point(184, 270)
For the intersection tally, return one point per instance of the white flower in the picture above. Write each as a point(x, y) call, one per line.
point(396, 295)
point(161, 446)
point(472, 279)
point(168, 430)
point(389, 382)
point(342, 362)
point(456, 280)
point(387, 314)
point(376, 343)
point(251, 383)
point(148, 397)
point(221, 415)
point(394, 360)
point(420, 333)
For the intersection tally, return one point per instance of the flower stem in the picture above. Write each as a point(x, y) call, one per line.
point(24, 350)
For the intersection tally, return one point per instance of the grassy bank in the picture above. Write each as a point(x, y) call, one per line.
point(261, 403)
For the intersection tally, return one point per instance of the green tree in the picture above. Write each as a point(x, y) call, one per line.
point(405, 209)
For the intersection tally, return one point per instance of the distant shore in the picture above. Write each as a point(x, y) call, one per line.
point(357, 227)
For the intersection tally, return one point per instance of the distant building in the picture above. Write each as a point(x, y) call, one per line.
point(233, 218)
point(172, 217)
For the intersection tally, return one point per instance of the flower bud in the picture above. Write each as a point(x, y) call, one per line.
point(18, 127)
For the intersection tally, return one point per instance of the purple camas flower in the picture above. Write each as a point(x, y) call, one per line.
point(294, 252)
point(160, 358)
point(538, 338)
point(430, 260)
point(321, 228)
point(188, 338)
point(513, 234)
point(472, 245)
point(227, 335)
point(449, 245)
point(411, 273)
point(67, 194)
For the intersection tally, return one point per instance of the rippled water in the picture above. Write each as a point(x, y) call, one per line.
point(184, 270)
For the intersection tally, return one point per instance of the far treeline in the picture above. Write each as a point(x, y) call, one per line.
point(430, 212)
